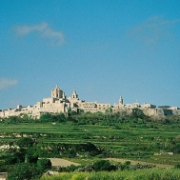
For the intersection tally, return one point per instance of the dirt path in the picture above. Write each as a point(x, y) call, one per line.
point(61, 162)
point(140, 162)
point(3, 175)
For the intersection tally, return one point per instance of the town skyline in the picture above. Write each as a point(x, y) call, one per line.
point(58, 103)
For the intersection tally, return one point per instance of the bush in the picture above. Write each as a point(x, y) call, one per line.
point(70, 168)
point(25, 142)
point(177, 166)
point(103, 165)
point(44, 164)
point(31, 155)
point(24, 171)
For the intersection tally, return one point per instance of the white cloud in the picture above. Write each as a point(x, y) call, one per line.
point(153, 29)
point(43, 29)
point(5, 82)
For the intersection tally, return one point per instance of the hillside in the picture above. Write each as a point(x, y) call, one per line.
point(87, 137)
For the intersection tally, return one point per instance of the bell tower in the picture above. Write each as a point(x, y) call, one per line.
point(74, 95)
point(120, 100)
point(56, 92)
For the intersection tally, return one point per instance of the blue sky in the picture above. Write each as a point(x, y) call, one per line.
point(101, 49)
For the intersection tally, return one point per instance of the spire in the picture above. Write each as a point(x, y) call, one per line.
point(64, 96)
point(57, 87)
point(120, 100)
point(74, 94)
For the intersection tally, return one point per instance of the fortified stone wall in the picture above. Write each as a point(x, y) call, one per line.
point(58, 103)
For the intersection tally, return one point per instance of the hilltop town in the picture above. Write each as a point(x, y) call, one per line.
point(59, 103)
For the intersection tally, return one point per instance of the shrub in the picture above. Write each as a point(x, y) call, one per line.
point(103, 165)
point(25, 142)
point(24, 171)
point(177, 166)
point(44, 164)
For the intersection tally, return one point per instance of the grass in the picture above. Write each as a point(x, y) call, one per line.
point(148, 174)
point(131, 138)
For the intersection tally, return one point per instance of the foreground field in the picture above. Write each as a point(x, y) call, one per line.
point(150, 174)
point(125, 147)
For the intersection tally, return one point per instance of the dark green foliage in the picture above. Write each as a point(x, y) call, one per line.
point(103, 165)
point(20, 155)
point(61, 118)
point(13, 119)
point(71, 112)
point(23, 118)
point(44, 164)
point(24, 171)
point(70, 168)
point(71, 150)
point(177, 166)
point(25, 142)
point(31, 156)
point(176, 148)
point(48, 117)
point(138, 113)
point(12, 158)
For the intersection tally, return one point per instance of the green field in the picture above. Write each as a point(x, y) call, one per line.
point(90, 140)
point(128, 140)
point(152, 174)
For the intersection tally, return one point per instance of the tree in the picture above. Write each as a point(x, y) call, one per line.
point(71, 112)
point(47, 117)
point(138, 113)
point(25, 142)
point(24, 171)
point(44, 164)
point(103, 165)
point(61, 117)
point(31, 155)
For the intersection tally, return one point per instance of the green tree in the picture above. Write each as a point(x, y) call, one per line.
point(25, 142)
point(103, 165)
point(61, 117)
point(31, 155)
point(138, 113)
point(44, 164)
point(47, 117)
point(24, 171)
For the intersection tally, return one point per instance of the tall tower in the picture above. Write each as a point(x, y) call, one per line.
point(74, 95)
point(57, 93)
point(120, 100)
point(64, 96)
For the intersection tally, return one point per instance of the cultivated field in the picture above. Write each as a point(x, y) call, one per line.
point(62, 162)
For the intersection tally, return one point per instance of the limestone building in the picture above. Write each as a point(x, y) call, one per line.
point(59, 103)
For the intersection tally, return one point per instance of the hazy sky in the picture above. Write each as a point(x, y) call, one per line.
point(100, 48)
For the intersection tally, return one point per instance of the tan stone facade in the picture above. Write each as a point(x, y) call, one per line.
point(58, 103)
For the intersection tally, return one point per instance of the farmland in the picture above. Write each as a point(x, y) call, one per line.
point(87, 138)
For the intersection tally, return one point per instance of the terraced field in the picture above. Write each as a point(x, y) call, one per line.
point(128, 140)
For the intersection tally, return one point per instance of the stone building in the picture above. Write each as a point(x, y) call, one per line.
point(58, 103)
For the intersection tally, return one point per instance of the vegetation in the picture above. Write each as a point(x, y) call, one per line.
point(44, 164)
point(153, 174)
point(89, 136)
point(24, 171)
